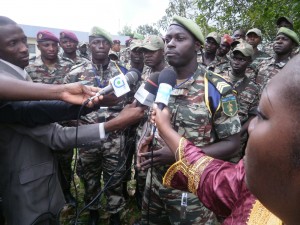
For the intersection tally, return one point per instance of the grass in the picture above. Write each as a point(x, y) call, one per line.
point(129, 214)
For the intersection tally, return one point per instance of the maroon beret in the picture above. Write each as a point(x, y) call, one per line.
point(116, 41)
point(68, 34)
point(45, 35)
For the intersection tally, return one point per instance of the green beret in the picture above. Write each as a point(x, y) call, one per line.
point(190, 26)
point(99, 32)
point(289, 33)
point(138, 36)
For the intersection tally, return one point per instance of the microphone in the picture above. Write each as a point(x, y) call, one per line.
point(166, 80)
point(146, 93)
point(119, 84)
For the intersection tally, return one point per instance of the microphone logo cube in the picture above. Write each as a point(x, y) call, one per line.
point(120, 85)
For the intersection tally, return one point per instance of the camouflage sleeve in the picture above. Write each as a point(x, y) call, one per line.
point(226, 126)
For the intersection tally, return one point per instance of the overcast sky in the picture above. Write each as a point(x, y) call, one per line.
point(82, 15)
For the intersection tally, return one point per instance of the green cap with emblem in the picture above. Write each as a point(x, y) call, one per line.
point(245, 48)
point(190, 26)
point(99, 32)
point(215, 36)
point(289, 33)
point(153, 43)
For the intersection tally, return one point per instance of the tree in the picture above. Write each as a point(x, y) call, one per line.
point(228, 15)
point(185, 8)
point(126, 31)
point(147, 30)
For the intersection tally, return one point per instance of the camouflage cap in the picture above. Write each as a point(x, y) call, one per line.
point(289, 20)
point(99, 32)
point(135, 43)
point(45, 35)
point(289, 33)
point(138, 36)
point(190, 26)
point(111, 52)
point(254, 30)
point(80, 44)
point(215, 36)
point(68, 34)
point(245, 48)
point(153, 43)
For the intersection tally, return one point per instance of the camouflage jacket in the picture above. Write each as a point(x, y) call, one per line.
point(40, 73)
point(124, 57)
point(78, 60)
point(247, 94)
point(217, 65)
point(89, 74)
point(197, 113)
point(268, 69)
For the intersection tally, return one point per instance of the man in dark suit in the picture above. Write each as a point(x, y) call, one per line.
point(29, 183)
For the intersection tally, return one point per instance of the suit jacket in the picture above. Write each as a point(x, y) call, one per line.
point(29, 182)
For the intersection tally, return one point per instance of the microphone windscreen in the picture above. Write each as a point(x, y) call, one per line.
point(132, 76)
point(167, 76)
point(151, 84)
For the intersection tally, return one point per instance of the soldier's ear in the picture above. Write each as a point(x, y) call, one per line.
point(197, 45)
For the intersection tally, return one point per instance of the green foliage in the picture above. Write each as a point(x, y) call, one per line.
point(229, 15)
point(147, 30)
point(126, 31)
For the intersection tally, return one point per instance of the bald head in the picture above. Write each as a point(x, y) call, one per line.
point(6, 21)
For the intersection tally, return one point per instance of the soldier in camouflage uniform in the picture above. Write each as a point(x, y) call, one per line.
point(49, 68)
point(247, 90)
point(208, 58)
point(68, 41)
point(136, 56)
point(198, 117)
point(125, 54)
point(108, 158)
point(152, 48)
point(286, 40)
point(224, 48)
point(83, 50)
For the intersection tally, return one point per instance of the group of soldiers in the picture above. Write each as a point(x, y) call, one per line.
point(219, 82)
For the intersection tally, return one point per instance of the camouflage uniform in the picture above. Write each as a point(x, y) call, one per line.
point(124, 58)
point(268, 69)
point(40, 73)
point(217, 65)
point(78, 60)
point(248, 99)
point(191, 118)
point(109, 157)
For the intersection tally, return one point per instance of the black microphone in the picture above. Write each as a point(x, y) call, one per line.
point(146, 93)
point(131, 76)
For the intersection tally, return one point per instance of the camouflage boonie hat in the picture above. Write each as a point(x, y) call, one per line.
point(153, 43)
point(99, 32)
point(255, 31)
point(135, 44)
point(245, 48)
point(289, 33)
point(190, 26)
point(215, 36)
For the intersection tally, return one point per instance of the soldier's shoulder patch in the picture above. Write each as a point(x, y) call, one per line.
point(229, 105)
point(219, 82)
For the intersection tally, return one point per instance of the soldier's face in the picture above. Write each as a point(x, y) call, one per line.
point(180, 47)
point(253, 39)
point(100, 48)
point(49, 49)
point(13, 45)
point(68, 45)
point(239, 63)
point(223, 49)
point(211, 46)
point(136, 56)
point(116, 47)
point(153, 58)
point(283, 44)
point(270, 174)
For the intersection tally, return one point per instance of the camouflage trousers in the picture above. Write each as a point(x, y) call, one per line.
point(165, 206)
point(64, 159)
point(107, 159)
